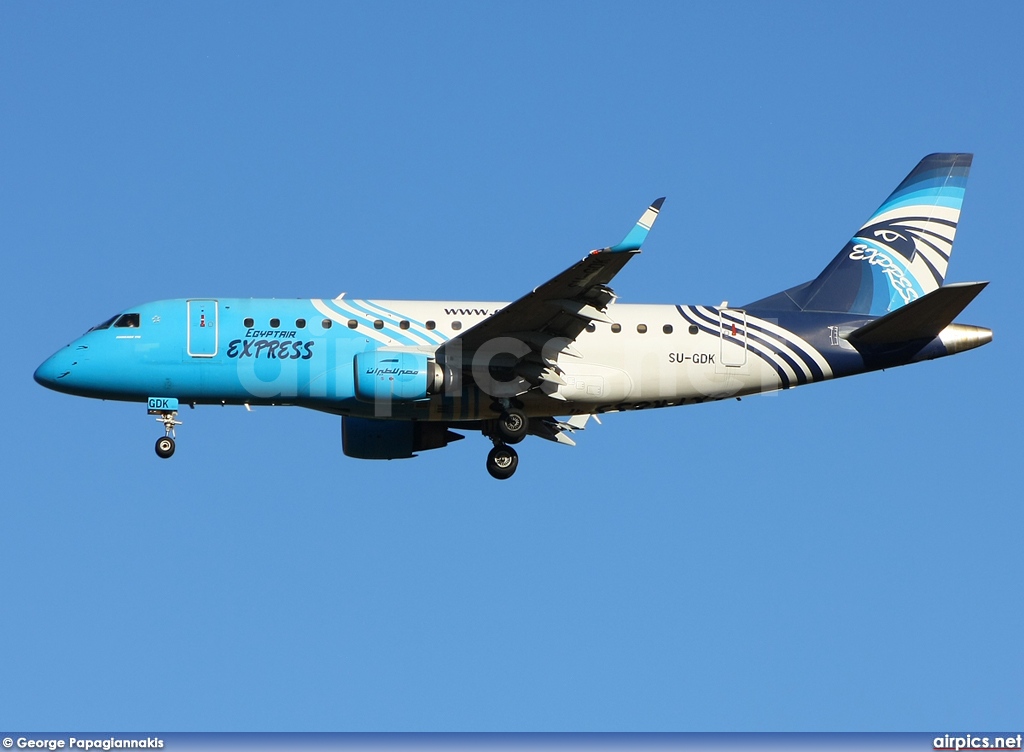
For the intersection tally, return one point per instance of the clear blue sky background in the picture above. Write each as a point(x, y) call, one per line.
point(846, 556)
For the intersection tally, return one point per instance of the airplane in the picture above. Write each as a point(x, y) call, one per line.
point(405, 376)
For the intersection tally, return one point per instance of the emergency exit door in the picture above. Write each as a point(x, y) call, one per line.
point(733, 337)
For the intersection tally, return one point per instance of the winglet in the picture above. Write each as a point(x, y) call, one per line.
point(638, 234)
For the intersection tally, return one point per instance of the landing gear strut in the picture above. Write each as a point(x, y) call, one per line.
point(502, 461)
point(165, 444)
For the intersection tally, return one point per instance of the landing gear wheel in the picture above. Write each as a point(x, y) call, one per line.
point(513, 425)
point(165, 444)
point(164, 447)
point(502, 462)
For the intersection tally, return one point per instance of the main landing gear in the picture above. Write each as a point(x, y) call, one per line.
point(502, 461)
point(165, 444)
point(513, 425)
point(510, 428)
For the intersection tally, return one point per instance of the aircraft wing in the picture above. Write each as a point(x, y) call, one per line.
point(550, 317)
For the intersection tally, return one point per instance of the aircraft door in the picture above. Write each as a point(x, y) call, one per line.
point(202, 328)
point(733, 338)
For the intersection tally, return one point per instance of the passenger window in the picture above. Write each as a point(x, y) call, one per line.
point(127, 321)
point(275, 323)
point(403, 324)
point(300, 323)
point(456, 325)
point(326, 323)
point(591, 327)
point(693, 329)
point(352, 323)
point(430, 325)
point(616, 328)
point(378, 324)
point(247, 323)
point(667, 328)
point(641, 328)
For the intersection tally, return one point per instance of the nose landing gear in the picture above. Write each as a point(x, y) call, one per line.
point(165, 444)
point(166, 412)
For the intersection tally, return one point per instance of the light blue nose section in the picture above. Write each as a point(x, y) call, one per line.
point(46, 374)
point(53, 373)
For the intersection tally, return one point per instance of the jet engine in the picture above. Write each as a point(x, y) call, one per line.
point(398, 375)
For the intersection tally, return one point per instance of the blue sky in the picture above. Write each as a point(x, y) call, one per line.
point(841, 557)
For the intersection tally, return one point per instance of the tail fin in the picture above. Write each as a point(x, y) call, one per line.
point(902, 252)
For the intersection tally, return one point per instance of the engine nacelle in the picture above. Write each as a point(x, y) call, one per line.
point(368, 439)
point(399, 375)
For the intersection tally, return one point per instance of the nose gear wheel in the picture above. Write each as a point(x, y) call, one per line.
point(165, 444)
point(164, 447)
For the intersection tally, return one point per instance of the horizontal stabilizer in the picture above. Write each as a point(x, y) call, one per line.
point(923, 318)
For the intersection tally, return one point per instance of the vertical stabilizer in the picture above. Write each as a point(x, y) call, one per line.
point(902, 251)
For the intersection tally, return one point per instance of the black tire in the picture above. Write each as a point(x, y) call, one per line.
point(513, 426)
point(502, 462)
point(164, 447)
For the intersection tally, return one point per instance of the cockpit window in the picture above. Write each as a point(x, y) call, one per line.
point(105, 325)
point(127, 321)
